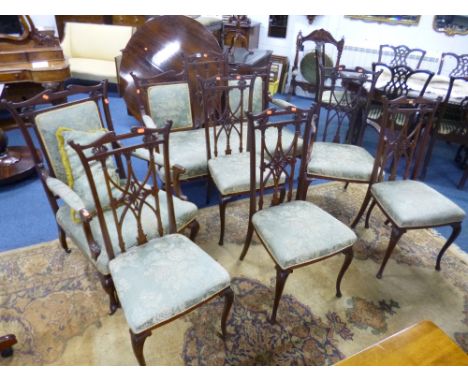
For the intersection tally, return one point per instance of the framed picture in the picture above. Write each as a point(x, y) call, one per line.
point(391, 19)
point(278, 73)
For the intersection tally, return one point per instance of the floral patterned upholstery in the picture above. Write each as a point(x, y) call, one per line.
point(170, 102)
point(297, 232)
point(337, 160)
point(184, 211)
point(163, 278)
point(412, 204)
point(83, 116)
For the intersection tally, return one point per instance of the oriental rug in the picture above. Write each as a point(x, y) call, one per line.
point(54, 303)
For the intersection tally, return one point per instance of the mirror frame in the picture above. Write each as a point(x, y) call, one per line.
point(28, 27)
point(448, 31)
point(386, 20)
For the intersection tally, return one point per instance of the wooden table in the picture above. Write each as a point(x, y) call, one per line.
point(423, 344)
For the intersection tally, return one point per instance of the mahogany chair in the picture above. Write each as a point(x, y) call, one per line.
point(307, 61)
point(452, 122)
point(295, 233)
point(407, 204)
point(159, 274)
point(453, 65)
point(397, 81)
point(83, 118)
point(398, 55)
point(342, 118)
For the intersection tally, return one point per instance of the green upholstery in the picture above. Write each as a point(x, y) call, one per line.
point(341, 161)
point(412, 204)
point(60, 189)
point(375, 112)
point(163, 278)
point(184, 211)
point(257, 97)
point(448, 127)
point(298, 232)
point(170, 102)
point(75, 170)
point(83, 116)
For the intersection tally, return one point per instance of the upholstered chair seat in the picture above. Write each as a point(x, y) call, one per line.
point(185, 213)
point(164, 278)
point(303, 235)
point(412, 204)
point(340, 160)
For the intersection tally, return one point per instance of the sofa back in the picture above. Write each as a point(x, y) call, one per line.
point(96, 41)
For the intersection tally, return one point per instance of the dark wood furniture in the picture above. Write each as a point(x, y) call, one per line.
point(28, 64)
point(6, 345)
point(322, 42)
point(292, 231)
point(457, 62)
point(243, 34)
point(406, 203)
point(421, 344)
point(159, 251)
point(398, 55)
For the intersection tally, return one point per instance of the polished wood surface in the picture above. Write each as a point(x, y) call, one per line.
point(250, 32)
point(6, 343)
point(423, 344)
point(160, 45)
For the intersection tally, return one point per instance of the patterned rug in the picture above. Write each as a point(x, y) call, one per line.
point(54, 304)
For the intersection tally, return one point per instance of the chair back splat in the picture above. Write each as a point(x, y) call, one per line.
point(405, 132)
point(273, 167)
point(399, 55)
point(137, 196)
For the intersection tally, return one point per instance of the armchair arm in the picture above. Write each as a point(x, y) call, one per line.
point(281, 103)
point(148, 122)
point(71, 198)
point(374, 124)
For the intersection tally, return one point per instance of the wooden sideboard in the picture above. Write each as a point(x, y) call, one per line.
point(250, 31)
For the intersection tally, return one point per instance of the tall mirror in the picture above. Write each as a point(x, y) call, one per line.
point(14, 28)
point(451, 24)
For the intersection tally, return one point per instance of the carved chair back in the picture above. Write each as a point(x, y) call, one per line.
point(398, 55)
point(459, 67)
point(165, 97)
point(226, 101)
point(273, 166)
point(344, 95)
point(324, 43)
point(402, 80)
point(404, 135)
point(41, 116)
point(135, 201)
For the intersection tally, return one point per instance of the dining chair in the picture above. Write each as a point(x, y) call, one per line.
point(401, 55)
point(342, 118)
point(318, 47)
point(47, 119)
point(406, 203)
point(452, 122)
point(397, 81)
point(295, 233)
point(158, 273)
point(453, 65)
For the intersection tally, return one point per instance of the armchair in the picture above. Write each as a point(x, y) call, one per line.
point(295, 233)
point(159, 274)
point(84, 119)
point(407, 204)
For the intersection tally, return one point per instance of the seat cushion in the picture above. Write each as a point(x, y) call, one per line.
point(92, 69)
point(163, 278)
point(185, 212)
point(340, 161)
point(412, 204)
point(298, 232)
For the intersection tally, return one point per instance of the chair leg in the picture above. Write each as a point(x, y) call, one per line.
point(363, 208)
point(63, 240)
point(222, 217)
point(138, 341)
point(194, 228)
point(394, 238)
point(228, 300)
point(346, 186)
point(369, 212)
point(209, 184)
point(248, 240)
point(108, 286)
point(427, 159)
point(456, 229)
point(462, 182)
point(281, 276)
point(349, 254)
